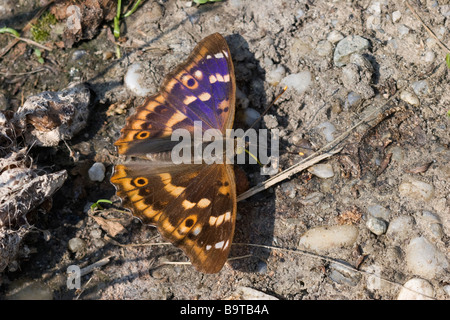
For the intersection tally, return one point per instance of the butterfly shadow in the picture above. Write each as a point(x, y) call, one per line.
point(255, 215)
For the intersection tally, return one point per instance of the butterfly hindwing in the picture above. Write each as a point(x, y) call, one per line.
point(193, 206)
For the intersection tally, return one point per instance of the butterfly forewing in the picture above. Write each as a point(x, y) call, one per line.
point(192, 205)
point(200, 89)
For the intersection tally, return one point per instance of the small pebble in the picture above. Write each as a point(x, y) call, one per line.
point(289, 189)
point(375, 8)
point(76, 245)
point(353, 99)
point(270, 121)
point(429, 56)
point(78, 54)
point(433, 223)
point(96, 233)
point(322, 170)
point(419, 290)
point(415, 189)
point(424, 259)
point(420, 87)
point(300, 82)
point(396, 15)
point(428, 216)
point(133, 80)
point(335, 36)
point(346, 47)
point(300, 13)
point(402, 30)
point(378, 211)
point(324, 238)
point(328, 129)
point(343, 275)
point(97, 172)
point(400, 227)
point(376, 225)
point(447, 289)
point(275, 76)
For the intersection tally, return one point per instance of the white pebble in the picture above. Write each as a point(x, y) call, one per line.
point(447, 289)
point(429, 56)
point(396, 15)
point(328, 129)
point(289, 189)
point(76, 244)
point(416, 289)
point(410, 98)
point(352, 99)
point(300, 13)
point(270, 121)
point(429, 216)
point(97, 172)
point(275, 76)
point(324, 238)
point(424, 259)
point(335, 36)
point(378, 211)
point(322, 170)
point(420, 87)
point(376, 225)
point(348, 46)
point(375, 8)
point(402, 30)
point(133, 80)
point(298, 81)
point(416, 189)
point(400, 227)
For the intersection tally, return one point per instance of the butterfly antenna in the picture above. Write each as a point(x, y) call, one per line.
point(267, 109)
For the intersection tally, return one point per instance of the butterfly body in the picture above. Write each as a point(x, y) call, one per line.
point(193, 205)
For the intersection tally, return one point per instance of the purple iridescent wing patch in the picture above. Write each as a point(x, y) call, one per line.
point(200, 89)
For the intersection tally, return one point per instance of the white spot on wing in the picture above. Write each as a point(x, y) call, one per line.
point(198, 74)
point(205, 96)
point(196, 230)
point(189, 99)
point(212, 220)
point(218, 55)
point(212, 78)
point(219, 245)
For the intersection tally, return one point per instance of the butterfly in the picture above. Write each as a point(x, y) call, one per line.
point(192, 205)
